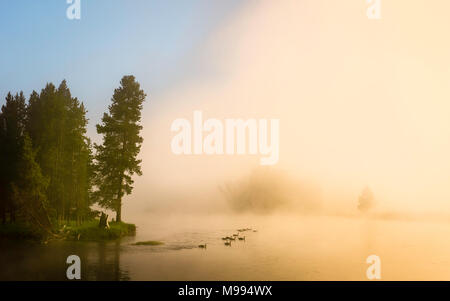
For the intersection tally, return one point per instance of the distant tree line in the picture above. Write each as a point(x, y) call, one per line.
point(49, 171)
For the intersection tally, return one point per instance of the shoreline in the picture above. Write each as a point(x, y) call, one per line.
point(87, 231)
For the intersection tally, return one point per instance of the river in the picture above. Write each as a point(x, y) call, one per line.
point(285, 247)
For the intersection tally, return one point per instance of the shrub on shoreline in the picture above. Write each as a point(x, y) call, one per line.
point(90, 231)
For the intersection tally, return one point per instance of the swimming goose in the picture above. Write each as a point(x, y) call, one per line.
point(202, 246)
point(228, 243)
point(242, 238)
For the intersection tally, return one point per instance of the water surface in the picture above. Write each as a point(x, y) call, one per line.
point(283, 248)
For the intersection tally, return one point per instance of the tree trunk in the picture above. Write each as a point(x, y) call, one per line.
point(119, 203)
point(103, 221)
point(119, 211)
point(119, 195)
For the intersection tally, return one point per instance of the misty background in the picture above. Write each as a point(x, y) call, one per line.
point(360, 102)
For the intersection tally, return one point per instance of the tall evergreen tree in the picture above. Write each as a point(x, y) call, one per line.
point(46, 116)
point(3, 174)
point(57, 126)
point(13, 120)
point(77, 161)
point(116, 158)
point(29, 188)
point(365, 200)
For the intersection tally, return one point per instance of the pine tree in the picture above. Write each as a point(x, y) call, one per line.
point(46, 124)
point(366, 200)
point(29, 188)
point(77, 162)
point(57, 126)
point(3, 174)
point(13, 119)
point(116, 158)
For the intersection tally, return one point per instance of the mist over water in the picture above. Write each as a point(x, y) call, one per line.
point(359, 105)
point(355, 108)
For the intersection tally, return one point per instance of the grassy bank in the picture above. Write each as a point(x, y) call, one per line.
point(89, 231)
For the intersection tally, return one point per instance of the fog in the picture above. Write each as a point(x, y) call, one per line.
point(360, 103)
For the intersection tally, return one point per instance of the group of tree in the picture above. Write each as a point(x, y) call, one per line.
point(266, 190)
point(366, 200)
point(50, 171)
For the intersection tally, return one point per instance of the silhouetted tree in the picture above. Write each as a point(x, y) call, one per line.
point(29, 188)
point(46, 158)
point(47, 173)
point(365, 200)
point(116, 158)
point(13, 119)
point(57, 126)
point(3, 174)
point(266, 190)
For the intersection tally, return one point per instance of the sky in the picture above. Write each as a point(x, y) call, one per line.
point(361, 102)
point(150, 39)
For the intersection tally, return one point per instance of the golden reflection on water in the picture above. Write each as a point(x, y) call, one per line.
point(292, 248)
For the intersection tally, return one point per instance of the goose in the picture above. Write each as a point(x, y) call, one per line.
point(232, 238)
point(235, 235)
point(202, 246)
point(228, 243)
point(242, 238)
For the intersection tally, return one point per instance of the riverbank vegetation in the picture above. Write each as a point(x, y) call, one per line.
point(51, 172)
point(87, 231)
point(90, 231)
